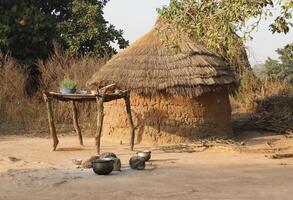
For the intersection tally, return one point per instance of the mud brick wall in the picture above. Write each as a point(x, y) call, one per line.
point(161, 120)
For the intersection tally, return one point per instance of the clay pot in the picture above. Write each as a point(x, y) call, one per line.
point(103, 166)
point(145, 154)
point(137, 162)
point(117, 161)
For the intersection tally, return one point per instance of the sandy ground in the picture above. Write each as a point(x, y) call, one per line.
point(220, 172)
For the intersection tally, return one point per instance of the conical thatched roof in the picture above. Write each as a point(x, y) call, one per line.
point(148, 67)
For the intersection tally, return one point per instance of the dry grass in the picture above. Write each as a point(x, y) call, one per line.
point(19, 112)
point(263, 104)
point(253, 90)
point(12, 80)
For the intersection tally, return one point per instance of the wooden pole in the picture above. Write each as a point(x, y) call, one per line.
point(75, 122)
point(130, 121)
point(51, 121)
point(100, 119)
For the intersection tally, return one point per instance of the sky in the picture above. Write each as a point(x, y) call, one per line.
point(136, 17)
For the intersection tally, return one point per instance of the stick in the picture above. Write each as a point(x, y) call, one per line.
point(130, 121)
point(51, 121)
point(75, 122)
point(100, 119)
point(280, 156)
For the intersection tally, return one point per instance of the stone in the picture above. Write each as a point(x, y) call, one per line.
point(88, 162)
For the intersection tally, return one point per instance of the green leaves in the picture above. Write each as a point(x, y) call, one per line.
point(25, 31)
point(87, 32)
point(70, 84)
point(215, 23)
point(29, 27)
point(283, 22)
point(283, 69)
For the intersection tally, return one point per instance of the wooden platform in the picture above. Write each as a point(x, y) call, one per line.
point(86, 97)
point(99, 99)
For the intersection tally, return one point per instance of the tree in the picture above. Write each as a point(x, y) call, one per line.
point(25, 30)
point(283, 69)
point(87, 32)
point(215, 23)
point(29, 27)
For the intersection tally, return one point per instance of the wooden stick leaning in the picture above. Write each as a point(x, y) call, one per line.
point(51, 121)
point(100, 119)
point(130, 120)
point(75, 122)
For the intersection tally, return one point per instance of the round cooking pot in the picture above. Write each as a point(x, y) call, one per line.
point(103, 166)
point(146, 154)
point(137, 162)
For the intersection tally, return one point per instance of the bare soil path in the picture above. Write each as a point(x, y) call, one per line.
point(29, 171)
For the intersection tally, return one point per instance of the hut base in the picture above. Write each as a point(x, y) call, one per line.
point(161, 120)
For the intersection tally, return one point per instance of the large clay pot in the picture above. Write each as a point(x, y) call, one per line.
point(103, 166)
point(117, 161)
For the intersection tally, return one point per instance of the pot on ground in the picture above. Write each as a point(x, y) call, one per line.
point(103, 166)
point(146, 154)
point(137, 162)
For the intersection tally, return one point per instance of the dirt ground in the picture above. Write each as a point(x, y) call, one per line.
point(30, 171)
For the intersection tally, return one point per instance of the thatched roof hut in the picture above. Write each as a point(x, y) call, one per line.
point(148, 67)
point(190, 82)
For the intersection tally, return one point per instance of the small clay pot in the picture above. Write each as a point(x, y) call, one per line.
point(103, 166)
point(137, 162)
point(145, 154)
point(64, 90)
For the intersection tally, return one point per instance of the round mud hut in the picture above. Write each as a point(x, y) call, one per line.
point(176, 96)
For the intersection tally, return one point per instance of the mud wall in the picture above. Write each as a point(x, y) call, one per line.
point(161, 120)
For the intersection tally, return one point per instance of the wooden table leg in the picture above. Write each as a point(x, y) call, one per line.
point(100, 119)
point(130, 121)
point(75, 122)
point(51, 121)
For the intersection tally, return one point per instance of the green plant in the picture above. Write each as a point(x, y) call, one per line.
point(216, 23)
point(68, 84)
point(282, 69)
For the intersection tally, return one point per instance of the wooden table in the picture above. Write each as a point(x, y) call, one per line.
point(99, 99)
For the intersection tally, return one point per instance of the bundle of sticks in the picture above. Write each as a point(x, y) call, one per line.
point(272, 114)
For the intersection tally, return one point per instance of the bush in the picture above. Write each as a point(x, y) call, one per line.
point(263, 104)
point(19, 112)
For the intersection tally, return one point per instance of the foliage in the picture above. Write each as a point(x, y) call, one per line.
point(25, 30)
point(86, 31)
point(282, 23)
point(283, 69)
point(215, 23)
point(70, 84)
point(29, 27)
point(17, 112)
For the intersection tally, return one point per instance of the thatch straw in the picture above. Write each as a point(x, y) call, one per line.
point(149, 67)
